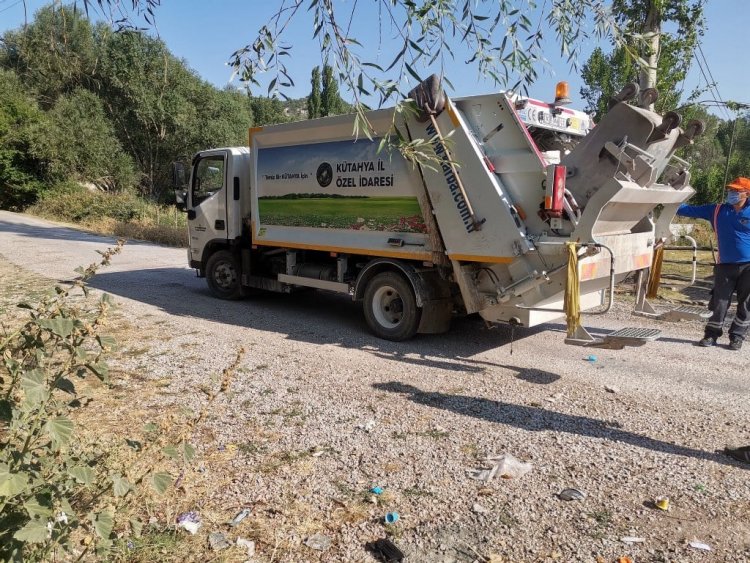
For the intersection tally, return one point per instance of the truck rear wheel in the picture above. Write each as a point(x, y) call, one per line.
point(223, 275)
point(390, 307)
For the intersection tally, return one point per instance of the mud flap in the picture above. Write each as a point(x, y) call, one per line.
point(436, 317)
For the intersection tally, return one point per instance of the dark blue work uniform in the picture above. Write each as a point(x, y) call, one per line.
point(732, 270)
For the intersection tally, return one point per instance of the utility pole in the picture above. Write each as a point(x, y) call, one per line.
point(651, 35)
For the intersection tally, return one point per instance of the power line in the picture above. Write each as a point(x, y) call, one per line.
point(712, 82)
point(9, 7)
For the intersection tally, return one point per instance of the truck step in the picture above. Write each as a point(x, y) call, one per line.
point(685, 313)
point(630, 336)
point(616, 340)
point(681, 313)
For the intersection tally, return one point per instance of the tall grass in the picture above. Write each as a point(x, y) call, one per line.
point(122, 215)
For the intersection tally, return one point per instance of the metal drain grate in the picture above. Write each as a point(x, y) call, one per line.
point(689, 309)
point(635, 333)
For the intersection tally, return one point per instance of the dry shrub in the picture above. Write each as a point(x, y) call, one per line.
point(117, 214)
point(170, 236)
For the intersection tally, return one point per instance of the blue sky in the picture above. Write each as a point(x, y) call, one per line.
point(205, 33)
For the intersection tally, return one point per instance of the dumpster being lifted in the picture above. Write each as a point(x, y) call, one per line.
point(525, 199)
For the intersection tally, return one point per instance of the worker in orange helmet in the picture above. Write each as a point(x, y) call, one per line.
point(731, 222)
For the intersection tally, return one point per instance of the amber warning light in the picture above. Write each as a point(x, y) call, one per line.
point(562, 96)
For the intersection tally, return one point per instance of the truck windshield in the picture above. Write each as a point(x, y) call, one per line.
point(208, 178)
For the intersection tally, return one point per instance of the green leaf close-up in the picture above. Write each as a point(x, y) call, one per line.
point(33, 383)
point(35, 531)
point(59, 326)
point(103, 522)
point(161, 482)
point(59, 430)
point(11, 484)
point(82, 474)
point(120, 485)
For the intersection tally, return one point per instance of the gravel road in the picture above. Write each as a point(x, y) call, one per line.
point(321, 411)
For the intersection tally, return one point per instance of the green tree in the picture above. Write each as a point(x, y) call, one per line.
point(267, 111)
point(55, 54)
point(222, 119)
point(314, 99)
point(84, 144)
point(649, 55)
point(330, 100)
point(24, 156)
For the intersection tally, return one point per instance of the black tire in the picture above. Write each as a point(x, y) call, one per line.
point(223, 275)
point(390, 307)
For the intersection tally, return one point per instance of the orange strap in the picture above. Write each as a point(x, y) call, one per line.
point(654, 274)
point(716, 230)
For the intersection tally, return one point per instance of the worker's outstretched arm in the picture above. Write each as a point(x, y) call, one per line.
point(697, 211)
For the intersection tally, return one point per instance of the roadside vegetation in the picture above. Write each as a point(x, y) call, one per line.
point(92, 119)
point(85, 476)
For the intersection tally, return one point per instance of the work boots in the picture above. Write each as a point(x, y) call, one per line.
point(735, 343)
point(707, 341)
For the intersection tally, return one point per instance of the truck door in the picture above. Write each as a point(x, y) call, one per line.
point(207, 202)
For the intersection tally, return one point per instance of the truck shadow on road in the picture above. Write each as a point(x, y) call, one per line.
point(310, 316)
point(538, 419)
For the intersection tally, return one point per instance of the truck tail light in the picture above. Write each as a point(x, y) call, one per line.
point(555, 191)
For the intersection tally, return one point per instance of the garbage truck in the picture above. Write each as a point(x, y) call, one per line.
point(513, 195)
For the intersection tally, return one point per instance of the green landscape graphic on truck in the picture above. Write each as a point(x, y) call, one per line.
point(337, 185)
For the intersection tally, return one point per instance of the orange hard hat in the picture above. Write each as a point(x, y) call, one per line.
point(740, 184)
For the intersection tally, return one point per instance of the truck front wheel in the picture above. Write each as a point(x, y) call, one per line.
point(390, 307)
point(223, 275)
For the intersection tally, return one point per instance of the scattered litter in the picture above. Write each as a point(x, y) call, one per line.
point(385, 550)
point(317, 453)
point(377, 490)
point(318, 542)
point(479, 509)
point(241, 515)
point(505, 465)
point(391, 517)
point(700, 545)
point(217, 541)
point(249, 545)
point(632, 539)
point(191, 521)
point(553, 398)
point(611, 389)
point(590, 358)
point(367, 426)
point(624, 559)
point(571, 494)
point(662, 503)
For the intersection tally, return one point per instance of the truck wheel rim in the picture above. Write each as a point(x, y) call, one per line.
point(387, 307)
point(225, 275)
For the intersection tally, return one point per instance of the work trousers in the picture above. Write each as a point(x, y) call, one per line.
point(728, 279)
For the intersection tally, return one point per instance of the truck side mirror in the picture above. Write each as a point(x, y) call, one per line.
point(180, 175)
point(180, 197)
